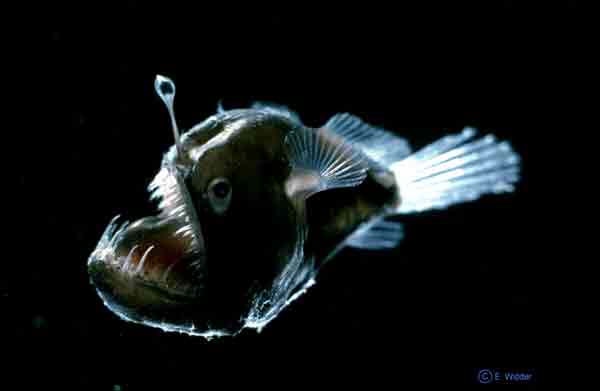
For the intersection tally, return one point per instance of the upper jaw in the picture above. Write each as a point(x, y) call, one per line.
point(174, 202)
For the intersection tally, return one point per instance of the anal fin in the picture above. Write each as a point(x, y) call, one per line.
point(376, 234)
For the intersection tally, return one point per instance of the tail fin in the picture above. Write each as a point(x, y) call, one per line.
point(455, 169)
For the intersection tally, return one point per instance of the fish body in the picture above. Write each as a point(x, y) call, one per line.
point(252, 203)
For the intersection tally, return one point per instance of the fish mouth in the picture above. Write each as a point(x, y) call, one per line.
point(149, 252)
point(155, 267)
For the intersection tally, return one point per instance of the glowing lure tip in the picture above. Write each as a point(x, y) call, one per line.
point(165, 89)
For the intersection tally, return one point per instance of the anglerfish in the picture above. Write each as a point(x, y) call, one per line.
point(252, 203)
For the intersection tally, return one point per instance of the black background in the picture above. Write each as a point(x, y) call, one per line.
point(459, 294)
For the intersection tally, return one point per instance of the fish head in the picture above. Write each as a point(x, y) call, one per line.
point(224, 232)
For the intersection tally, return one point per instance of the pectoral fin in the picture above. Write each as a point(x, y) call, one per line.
point(320, 163)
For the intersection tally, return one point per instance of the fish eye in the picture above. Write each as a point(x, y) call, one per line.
point(219, 194)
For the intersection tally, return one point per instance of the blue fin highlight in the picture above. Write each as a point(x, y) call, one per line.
point(376, 234)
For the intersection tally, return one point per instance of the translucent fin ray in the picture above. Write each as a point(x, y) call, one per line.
point(376, 234)
point(455, 169)
point(320, 164)
point(377, 144)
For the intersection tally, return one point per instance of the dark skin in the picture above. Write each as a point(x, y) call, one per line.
point(252, 240)
point(261, 218)
point(257, 159)
point(353, 206)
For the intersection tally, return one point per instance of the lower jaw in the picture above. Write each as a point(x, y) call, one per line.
point(151, 305)
point(189, 318)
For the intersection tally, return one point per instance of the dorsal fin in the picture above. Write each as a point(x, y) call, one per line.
point(377, 144)
point(320, 162)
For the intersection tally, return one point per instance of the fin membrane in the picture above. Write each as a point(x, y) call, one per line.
point(377, 144)
point(320, 163)
point(376, 235)
point(455, 169)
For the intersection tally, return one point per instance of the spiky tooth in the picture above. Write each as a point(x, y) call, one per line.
point(167, 272)
point(140, 266)
point(109, 231)
point(128, 259)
